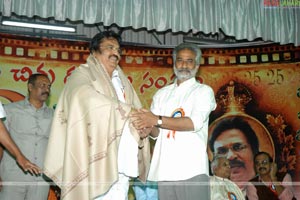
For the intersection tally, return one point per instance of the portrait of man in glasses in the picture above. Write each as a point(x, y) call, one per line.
point(235, 139)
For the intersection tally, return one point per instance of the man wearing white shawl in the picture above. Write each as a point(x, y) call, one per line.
point(93, 150)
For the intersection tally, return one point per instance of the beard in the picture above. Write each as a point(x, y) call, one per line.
point(185, 74)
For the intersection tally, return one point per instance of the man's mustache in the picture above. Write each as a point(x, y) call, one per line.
point(184, 70)
point(262, 168)
point(236, 163)
point(116, 56)
point(47, 93)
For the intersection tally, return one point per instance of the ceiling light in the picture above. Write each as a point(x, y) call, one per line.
point(209, 43)
point(39, 26)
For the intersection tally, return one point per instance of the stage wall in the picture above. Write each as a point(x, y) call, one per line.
point(261, 84)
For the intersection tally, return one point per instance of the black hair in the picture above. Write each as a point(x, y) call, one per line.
point(235, 123)
point(263, 153)
point(32, 78)
point(98, 38)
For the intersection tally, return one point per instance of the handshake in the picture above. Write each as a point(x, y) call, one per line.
point(143, 121)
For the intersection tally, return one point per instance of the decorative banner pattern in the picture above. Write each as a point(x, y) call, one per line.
point(258, 84)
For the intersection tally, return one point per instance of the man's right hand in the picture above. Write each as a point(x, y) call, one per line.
point(273, 171)
point(26, 165)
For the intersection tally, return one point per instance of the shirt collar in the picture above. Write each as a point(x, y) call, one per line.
point(27, 103)
point(186, 83)
point(115, 73)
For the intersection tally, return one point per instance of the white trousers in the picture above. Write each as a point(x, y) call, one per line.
point(118, 191)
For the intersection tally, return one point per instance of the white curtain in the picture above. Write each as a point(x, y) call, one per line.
point(243, 19)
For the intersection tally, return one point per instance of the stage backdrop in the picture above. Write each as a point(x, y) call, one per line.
point(260, 84)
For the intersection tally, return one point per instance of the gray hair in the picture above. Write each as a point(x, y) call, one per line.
point(215, 162)
point(189, 46)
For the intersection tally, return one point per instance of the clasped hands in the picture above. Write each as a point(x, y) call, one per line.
point(143, 121)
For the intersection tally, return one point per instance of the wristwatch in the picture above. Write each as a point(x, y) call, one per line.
point(159, 121)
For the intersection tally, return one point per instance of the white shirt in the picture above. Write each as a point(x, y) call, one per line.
point(224, 189)
point(182, 155)
point(128, 147)
point(2, 111)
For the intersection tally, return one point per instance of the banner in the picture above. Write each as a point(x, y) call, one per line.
point(257, 85)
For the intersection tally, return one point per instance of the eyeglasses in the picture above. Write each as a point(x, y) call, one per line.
point(189, 62)
point(236, 147)
point(112, 48)
point(264, 162)
point(42, 86)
